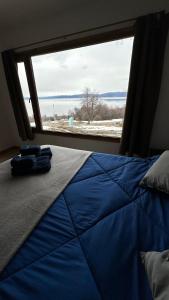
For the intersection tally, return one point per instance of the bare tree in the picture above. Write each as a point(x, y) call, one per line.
point(89, 104)
point(92, 108)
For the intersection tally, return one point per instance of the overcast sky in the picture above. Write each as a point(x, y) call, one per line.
point(102, 68)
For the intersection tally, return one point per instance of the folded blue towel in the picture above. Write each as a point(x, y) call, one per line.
point(29, 150)
point(41, 165)
point(35, 150)
point(23, 161)
point(46, 152)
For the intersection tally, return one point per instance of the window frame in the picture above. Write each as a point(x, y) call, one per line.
point(92, 39)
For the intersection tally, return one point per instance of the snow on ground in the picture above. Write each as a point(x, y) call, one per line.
point(93, 122)
point(96, 128)
point(104, 128)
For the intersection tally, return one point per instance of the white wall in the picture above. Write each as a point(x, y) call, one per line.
point(77, 143)
point(88, 15)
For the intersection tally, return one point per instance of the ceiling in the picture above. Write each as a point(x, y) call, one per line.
point(23, 22)
point(17, 12)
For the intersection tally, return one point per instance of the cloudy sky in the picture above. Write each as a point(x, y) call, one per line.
point(102, 68)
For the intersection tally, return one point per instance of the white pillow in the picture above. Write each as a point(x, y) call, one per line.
point(157, 176)
point(157, 269)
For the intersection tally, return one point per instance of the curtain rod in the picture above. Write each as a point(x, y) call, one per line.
point(79, 32)
point(74, 33)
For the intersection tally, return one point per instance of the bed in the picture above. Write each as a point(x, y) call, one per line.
point(87, 245)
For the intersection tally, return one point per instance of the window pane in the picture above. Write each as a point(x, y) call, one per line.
point(84, 90)
point(25, 91)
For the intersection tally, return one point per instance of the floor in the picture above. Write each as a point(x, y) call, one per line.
point(9, 153)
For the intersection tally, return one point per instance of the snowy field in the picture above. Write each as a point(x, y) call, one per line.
point(112, 128)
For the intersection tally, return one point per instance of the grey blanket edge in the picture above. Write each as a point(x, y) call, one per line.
point(33, 196)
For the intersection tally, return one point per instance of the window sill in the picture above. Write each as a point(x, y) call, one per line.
point(78, 135)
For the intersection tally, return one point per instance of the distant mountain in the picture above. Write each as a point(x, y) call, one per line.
point(108, 94)
point(77, 96)
point(62, 97)
point(114, 94)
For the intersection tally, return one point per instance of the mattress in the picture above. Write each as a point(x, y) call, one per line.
point(87, 245)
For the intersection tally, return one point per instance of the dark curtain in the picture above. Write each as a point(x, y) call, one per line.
point(144, 83)
point(17, 100)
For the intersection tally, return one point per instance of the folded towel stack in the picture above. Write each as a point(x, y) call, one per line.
point(35, 150)
point(33, 160)
point(45, 152)
point(30, 149)
point(23, 162)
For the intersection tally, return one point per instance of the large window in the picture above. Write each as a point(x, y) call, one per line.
point(82, 90)
point(25, 91)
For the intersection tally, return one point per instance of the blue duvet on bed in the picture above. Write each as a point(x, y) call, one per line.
point(87, 245)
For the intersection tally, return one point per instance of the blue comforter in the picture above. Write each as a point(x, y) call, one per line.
point(87, 246)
